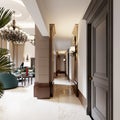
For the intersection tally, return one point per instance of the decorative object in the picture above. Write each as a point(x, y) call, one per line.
point(13, 33)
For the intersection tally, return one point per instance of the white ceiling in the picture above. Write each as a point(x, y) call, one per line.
point(63, 13)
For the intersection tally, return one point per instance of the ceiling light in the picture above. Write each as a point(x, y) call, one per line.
point(13, 33)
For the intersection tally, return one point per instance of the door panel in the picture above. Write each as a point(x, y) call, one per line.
point(99, 16)
point(99, 67)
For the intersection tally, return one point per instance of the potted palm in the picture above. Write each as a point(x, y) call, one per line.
point(5, 66)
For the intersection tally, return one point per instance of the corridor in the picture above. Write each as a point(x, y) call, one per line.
point(19, 104)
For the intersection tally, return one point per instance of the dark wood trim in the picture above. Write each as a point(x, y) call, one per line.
point(94, 9)
point(88, 69)
point(82, 99)
point(41, 90)
point(75, 88)
point(68, 64)
point(60, 72)
point(51, 72)
point(110, 32)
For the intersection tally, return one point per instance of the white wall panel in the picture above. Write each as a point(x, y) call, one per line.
point(82, 58)
point(116, 64)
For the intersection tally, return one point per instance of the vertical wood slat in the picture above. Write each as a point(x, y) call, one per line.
point(51, 72)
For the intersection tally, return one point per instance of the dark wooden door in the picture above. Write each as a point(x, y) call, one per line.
point(99, 66)
point(99, 16)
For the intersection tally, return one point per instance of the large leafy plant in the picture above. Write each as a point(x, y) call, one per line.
point(5, 16)
point(5, 64)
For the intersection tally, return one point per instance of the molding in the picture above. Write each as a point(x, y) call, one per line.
point(94, 9)
point(41, 90)
point(82, 99)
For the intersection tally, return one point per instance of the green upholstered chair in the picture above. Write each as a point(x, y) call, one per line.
point(8, 80)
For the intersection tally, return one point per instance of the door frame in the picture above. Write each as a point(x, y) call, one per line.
point(93, 10)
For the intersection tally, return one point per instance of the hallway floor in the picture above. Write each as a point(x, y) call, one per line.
point(19, 104)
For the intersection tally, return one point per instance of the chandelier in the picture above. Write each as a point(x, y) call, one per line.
point(13, 33)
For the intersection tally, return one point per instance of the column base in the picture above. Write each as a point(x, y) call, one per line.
point(41, 90)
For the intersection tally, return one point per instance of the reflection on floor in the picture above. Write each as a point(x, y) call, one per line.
point(19, 104)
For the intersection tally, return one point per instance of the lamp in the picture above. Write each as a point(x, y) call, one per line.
point(13, 33)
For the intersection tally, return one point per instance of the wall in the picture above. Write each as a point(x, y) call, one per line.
point(54, 63)
point(29, 50)
point(116, 60)
point(42, 77)
point(62, 64)
point(42, 58)
point(82, 58)
point(71, 67)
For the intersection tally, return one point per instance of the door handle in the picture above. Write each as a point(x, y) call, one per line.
point(90, 77)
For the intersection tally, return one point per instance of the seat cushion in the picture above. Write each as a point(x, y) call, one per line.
point(8, 80)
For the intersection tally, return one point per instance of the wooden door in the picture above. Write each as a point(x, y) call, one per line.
point(99, 66)
point(100, 57)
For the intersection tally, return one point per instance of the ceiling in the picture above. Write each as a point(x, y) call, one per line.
point(63, 13)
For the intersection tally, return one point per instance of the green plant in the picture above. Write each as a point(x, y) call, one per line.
point(5, 16)
point(5, 64)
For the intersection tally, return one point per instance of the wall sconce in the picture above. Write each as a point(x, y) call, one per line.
point(73, 50)
point(27, 58)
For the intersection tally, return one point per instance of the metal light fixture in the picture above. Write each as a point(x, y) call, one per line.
point(13, 33)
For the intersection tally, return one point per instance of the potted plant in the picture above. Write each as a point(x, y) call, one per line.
point(5, 64)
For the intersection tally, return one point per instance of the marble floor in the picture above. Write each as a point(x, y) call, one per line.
point(19, 104)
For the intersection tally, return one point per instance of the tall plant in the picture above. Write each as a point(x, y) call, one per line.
point(5, 66)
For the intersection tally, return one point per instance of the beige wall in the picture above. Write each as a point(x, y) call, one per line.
point(116, 60)
point(29, 50)
point(41, 58)
point(82, 58)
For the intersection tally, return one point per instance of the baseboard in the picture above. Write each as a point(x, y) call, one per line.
point(41, 90)
point(82, 99)
point(67, 77)
point(75, 88)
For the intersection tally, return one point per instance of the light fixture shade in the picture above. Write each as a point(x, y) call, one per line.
point(16, 36)
point(13, 33)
